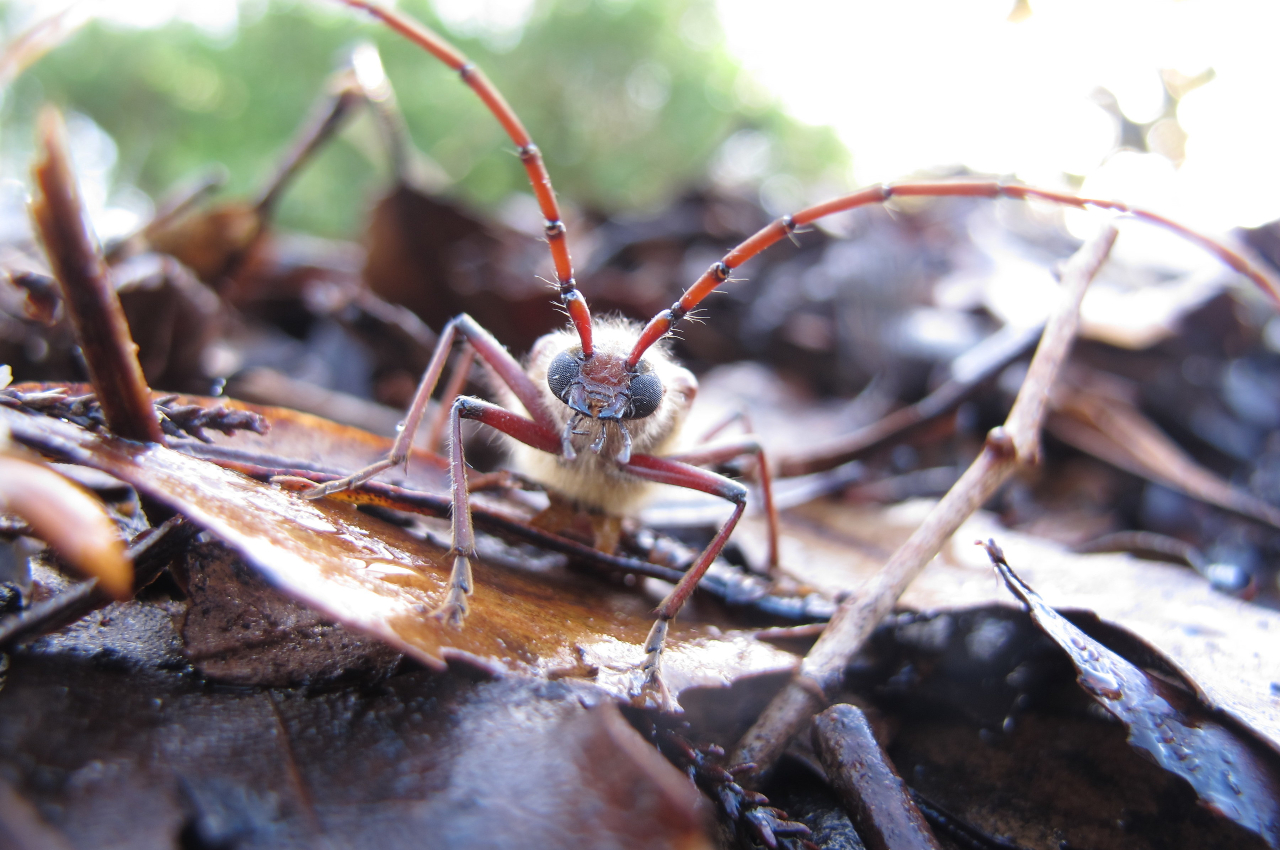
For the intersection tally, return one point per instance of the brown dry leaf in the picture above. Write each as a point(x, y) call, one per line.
point(1225, 647)
point(439, 260)
point(1060, 779)
point(378, 579)
point(172, 316)
point(97, 757)
point(1231, 775)
point(237, 628)
point(210, 242)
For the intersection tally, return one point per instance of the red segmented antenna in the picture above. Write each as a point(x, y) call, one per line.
point(661, 324)
point(539, 179)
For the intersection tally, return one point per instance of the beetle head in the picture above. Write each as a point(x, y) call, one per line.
point(602, 387)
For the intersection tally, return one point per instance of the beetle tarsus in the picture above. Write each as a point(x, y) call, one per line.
point(453, 611)
point(352, 481)
point(597, 445)
point(653, 692)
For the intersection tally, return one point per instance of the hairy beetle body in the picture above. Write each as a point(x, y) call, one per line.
point(594, 479)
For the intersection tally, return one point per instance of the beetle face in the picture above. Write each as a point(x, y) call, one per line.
point(602, 387)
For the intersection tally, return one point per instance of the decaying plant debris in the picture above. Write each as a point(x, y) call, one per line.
point(276, 679)
point(1229, 776)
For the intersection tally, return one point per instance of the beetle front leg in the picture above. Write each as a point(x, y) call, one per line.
point(404, 440)
point(654, 693)
point(463, 546)
point(484, 345)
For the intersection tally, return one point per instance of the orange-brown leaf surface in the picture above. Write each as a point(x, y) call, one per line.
point(375, 577)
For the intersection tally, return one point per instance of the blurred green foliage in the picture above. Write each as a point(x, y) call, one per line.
point(630, 100)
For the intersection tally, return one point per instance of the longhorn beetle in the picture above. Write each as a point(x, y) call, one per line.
point(596, 409)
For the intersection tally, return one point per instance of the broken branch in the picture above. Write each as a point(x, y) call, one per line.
point(110, 354)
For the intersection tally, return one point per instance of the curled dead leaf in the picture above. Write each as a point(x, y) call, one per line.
point(210, 242)
point(68, 519)
point(1232, 775)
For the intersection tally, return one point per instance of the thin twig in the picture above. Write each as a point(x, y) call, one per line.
point(334, 107)
point(996, 354)
point(96, 315)
point(963, 835)
point(1018, 442)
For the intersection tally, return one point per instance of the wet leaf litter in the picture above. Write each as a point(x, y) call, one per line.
point(374, 578)
point(921, 674)
point(1230, 773)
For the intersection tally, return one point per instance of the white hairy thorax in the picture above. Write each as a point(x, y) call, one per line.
point(594, 480)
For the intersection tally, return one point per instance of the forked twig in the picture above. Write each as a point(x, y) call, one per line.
point(1007, 447)
point(92, 303)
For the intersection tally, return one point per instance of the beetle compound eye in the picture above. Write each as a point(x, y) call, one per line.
point(646, 395)
point(563, 371)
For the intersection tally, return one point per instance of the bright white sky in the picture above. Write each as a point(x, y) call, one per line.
point(911, 86)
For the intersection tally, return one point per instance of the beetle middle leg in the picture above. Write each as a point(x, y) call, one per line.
point(725, 451)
